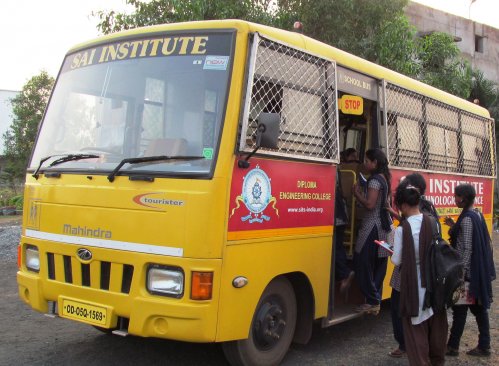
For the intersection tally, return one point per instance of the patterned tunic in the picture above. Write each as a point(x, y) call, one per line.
point(395, 280)
point(372, 220)
point(464, 244)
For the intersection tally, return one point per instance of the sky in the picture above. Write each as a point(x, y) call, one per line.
point(482, 11)
point(36, 34)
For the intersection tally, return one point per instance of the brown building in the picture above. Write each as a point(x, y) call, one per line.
point(479, 43)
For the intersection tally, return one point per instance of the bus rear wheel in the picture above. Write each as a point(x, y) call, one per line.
point(272, 328)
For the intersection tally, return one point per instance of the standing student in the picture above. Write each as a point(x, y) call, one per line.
point(425, 332)
point(425, 206)
point(369, 259)
point(469, 235)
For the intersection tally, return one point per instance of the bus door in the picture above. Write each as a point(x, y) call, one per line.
point(359, 129)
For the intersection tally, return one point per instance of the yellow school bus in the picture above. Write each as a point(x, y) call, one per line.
point(182, 184)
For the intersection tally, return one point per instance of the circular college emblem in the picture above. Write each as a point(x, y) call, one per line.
point(256, 190)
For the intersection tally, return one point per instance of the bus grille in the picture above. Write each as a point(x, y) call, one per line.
point(113, 277)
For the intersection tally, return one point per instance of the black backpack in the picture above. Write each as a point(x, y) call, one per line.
point(444, 273)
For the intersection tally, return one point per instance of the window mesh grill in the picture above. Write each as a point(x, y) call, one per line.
point(301, 88)
point(430, 135)
point(422, 133)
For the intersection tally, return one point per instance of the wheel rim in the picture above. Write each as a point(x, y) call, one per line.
point(269, 325)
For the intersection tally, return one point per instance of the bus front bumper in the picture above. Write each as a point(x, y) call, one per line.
point(149, 316)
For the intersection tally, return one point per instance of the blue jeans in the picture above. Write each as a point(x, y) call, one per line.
point(459, 313)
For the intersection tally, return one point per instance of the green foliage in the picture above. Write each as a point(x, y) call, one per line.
point(6, 195)
point(172, 11)
point(494, 112)
point(395, 47)
point(357, 26)
point(441, 65)
point(484, 90)
point(9, 178)
point(351, 25)
point(378, 31)
point(27, 108)
point(17, 201)
point(487, 93)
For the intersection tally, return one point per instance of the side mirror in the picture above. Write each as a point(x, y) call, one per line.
point(268, 130)
point(267, 135)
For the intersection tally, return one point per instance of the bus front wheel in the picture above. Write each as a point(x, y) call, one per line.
point(272, 328)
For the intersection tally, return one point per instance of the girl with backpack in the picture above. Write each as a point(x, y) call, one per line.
point(469, 235)
point(427, 207)
point(425, 332)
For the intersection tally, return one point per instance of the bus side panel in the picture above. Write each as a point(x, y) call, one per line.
point(280, 196)
point(440, 191)
point(260, 262)
point(280, 221)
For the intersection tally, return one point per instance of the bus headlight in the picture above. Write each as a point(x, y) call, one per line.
point(166, 281)
point(32, 258)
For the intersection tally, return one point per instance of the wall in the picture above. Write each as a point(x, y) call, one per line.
point(427, 19)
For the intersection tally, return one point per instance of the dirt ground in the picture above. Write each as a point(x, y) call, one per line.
point(30, 338)
point(10, 220)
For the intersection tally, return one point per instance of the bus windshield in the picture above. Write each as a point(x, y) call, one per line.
point(157, 96)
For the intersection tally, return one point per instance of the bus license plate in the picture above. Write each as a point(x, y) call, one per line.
point(91, 314)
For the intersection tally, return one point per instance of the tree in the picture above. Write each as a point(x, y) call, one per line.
point(396, 47)
point(27, 108)
point(493, 108)
point(377, 30)
point(494, 112)
point(483, 89)
point(171, 11)
point(351, 25)
point(369, 29)
point(487, 94)
point(441, 65)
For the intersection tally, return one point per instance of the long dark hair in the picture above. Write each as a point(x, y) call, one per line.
point(381, 165)
point(418, 181)
point(408, 194)
point(467, 192)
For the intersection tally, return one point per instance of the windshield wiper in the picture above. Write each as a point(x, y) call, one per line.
point(62, 159)
point(147, 159)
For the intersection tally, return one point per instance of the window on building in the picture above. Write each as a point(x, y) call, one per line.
point(479, 41)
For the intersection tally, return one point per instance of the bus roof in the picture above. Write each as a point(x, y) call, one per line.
point(303, 42)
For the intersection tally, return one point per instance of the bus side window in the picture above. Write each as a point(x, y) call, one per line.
point(266, 98)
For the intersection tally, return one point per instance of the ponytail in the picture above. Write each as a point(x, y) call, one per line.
point(381, 165)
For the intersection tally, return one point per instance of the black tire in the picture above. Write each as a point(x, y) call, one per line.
point(272, 328)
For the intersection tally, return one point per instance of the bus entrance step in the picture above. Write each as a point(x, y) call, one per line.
point(340, 315)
